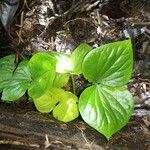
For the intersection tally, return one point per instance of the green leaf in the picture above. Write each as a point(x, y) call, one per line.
point(63, 104)
point(61, 80)
point(67, 110)
point(59, 94)
point(40, 85)
point(42, 68)
point(20, 81)
point(40, 63)
point(77, 57)
point(47, 102)
point(64, 63)
point(110, 64)
point(107, 110)
point(7, 66)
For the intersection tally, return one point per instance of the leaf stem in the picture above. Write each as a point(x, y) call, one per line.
point(73, 84)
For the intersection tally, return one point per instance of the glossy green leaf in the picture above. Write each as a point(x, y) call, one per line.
point(42, 68)
point(64, 63)
point(41, 63)
point(67, 110)
point(110, 64)
point(18, 84)
point(61, 80)
point(77, 57)
point(47, 102)
point(7, 66)
point(59, 94)
point(40, 85)
point(107, 110)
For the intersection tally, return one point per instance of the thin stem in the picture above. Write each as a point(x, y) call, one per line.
point(73, 84)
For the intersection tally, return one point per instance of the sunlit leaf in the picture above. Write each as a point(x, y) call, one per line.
point(106, 109)
point(59, 94)
point(64, 63)
point(47, 102)
point(67, 110)
point(109, 64)
point(42, 68)
point(61, 79)
point(77, 57)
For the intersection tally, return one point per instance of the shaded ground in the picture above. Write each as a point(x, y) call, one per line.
point(60, 26)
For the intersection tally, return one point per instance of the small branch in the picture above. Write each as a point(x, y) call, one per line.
point(20, 30)
point(18, 143)
point(141, 24)
point(84, 137)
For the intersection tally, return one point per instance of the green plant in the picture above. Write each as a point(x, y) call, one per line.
point(106, 106)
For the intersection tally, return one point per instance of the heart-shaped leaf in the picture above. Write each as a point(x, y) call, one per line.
point(107, 110)
point(77, 57)
point(7, 67)
point(42, 68)
point(18, 84)
point(67, 110)
point(110, 64)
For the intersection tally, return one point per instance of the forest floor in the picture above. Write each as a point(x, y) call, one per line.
point(61, 26)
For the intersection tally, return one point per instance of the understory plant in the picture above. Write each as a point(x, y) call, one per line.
point(106, 105)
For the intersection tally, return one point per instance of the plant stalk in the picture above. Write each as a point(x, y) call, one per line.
point(73, 84)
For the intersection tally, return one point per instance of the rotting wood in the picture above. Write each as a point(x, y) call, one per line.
point(24, 128)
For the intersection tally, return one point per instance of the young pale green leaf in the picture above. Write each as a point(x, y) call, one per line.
point(59, 94)
point(110, 64)
point(48, 101)
point(42, 68)
point(64, 63)
point(61, 80)
point(20, 81)
point(67, 110)
point(106, 110)
point(7, 66)
point(77, 57)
